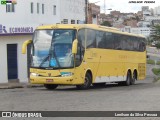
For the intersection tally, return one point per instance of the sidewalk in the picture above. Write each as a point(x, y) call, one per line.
point(18, 85)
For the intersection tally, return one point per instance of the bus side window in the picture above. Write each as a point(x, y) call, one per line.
point(142, 46)
point(118, 42)
point(109, 41)
point(81, 46)
point(91, 39)
point(127, 45)
point(100, 37)
point(135, 43)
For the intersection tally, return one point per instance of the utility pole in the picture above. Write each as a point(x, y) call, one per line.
point(104, 6)
point(86, 11)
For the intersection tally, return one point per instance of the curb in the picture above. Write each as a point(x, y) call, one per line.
point(33, 85)
point(18, 85)
point(157, 81)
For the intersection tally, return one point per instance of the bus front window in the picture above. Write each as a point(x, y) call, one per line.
point(52, 48)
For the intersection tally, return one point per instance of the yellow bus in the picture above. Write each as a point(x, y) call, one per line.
point(85, 55)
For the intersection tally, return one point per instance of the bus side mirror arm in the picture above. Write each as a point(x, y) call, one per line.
point(75, 46)
point(24, 46)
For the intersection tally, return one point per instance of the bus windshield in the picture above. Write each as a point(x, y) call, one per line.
point(52, 48)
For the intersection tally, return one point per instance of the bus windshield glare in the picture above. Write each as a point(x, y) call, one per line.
point(52, 48)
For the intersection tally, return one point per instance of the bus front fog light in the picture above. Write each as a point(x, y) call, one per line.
point(66, 74)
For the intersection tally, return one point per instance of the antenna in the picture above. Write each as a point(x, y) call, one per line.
point(104, 7)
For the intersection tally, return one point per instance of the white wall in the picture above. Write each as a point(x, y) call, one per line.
point(157, 10)
point(140, 30)
point(143, 23)
point(22, 59)
point(23, 15)
point(150, 18)
point(65, 9)
point(72, 9)
point(147, 13)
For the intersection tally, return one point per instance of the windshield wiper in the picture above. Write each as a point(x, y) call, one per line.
point(56, 58)
point(46, 58)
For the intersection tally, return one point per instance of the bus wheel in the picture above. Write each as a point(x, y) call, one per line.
point(128, 79)
point(50, 86)
point(87, 83)
point(134, 78)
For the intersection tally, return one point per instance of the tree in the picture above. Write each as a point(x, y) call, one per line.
point(106, 23)
point(149, 40)
point(155, 34)
point(137, 18)
point(158, 45)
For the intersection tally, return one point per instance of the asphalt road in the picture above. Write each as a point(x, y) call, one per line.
point(153, 53)
point(143, 96)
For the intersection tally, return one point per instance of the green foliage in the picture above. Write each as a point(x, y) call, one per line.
point(156, 71)
point(149, 40)
point(158, 45)
point(137, 18)
point(156, 79)
point(158, 62)
point(155, 34)
point(106, 23)
point(151, 62)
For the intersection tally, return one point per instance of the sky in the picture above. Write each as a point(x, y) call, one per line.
point(124, 5)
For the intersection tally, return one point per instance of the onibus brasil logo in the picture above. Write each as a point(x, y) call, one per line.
point(4, 2)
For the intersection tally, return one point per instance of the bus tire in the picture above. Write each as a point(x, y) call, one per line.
point(134, 78)
point(50, 86)
point(128, 79)
point(87, 83)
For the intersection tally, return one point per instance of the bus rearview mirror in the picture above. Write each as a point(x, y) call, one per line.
point(74, 46)
point(24, 46)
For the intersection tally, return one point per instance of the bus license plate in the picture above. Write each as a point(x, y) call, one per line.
point(49, 80)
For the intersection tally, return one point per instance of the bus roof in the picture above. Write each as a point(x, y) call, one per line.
point(91, 26)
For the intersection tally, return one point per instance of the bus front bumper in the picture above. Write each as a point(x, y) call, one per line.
point(54, 80)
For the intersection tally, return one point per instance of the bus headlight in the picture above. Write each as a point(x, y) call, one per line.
point(34, 74)
point(65, 74)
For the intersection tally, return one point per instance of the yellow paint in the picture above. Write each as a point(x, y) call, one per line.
point(74, 46)
point(24, 46)
point(101, 62)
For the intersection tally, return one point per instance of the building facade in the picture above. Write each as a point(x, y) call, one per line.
point(146, 31)
point(156, 11)
point(18, 21)
point(143, 21)
point(93, 14)
point(72, 11)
